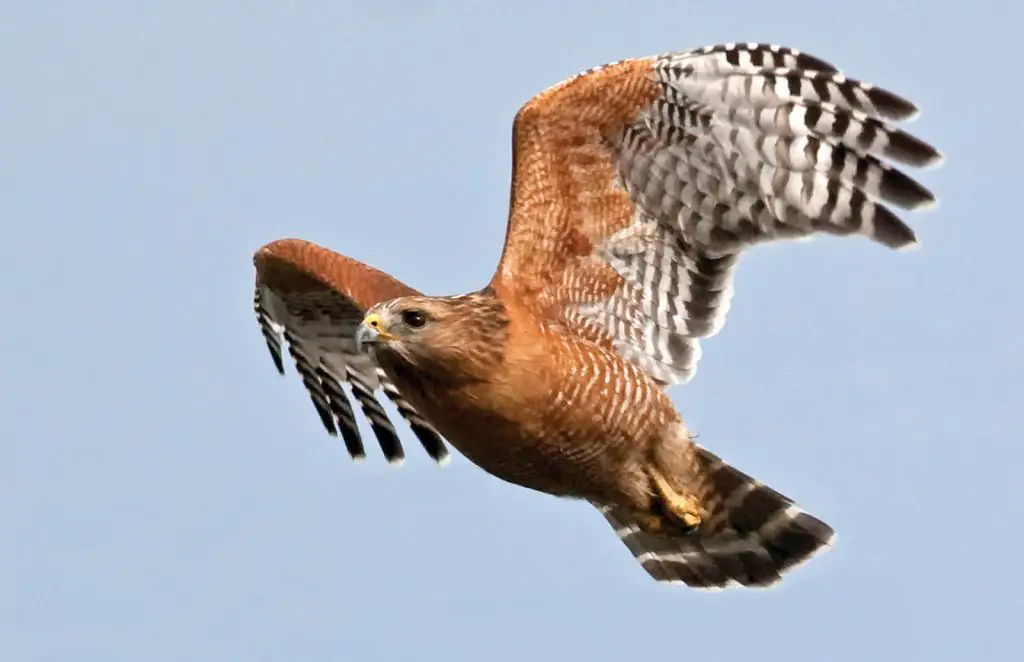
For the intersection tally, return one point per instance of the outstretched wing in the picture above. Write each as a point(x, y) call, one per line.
point(637, 185)
point(314, 299)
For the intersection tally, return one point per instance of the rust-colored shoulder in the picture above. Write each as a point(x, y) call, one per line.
point(564, 197)
point(296, 265)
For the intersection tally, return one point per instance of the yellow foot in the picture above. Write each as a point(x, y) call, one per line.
point(684, 508)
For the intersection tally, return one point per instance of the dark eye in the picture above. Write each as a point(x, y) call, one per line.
point(414, 318)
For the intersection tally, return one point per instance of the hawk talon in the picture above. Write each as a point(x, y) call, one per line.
point(658, 525)
point(685, 509)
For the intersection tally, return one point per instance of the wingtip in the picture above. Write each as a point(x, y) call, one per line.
point(891, 105)
point(927, 204)
point(937, 159)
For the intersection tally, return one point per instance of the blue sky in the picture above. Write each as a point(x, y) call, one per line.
point(168, 497)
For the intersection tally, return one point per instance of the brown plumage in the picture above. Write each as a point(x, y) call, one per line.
point(635, 188)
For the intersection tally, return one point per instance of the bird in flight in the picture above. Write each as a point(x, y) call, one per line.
point(636, 187)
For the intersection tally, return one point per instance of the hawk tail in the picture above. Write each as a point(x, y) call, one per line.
point(751, 538)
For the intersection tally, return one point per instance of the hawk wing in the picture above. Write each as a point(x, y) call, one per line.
point(314, 299)
point(637, 185)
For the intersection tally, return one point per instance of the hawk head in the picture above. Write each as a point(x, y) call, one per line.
point(455, 337)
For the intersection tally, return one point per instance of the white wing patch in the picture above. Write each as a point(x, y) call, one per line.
point(672, 294)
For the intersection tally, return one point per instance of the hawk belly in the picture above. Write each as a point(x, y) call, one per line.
point(585, 428)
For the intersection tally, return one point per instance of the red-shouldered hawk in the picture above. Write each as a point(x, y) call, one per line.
point(635, 188)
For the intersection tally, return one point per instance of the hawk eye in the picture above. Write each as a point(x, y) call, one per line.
point(414, 318)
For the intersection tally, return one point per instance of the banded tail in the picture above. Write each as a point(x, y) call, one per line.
point(756, 535)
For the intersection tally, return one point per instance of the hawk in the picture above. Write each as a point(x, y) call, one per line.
point(636, 187)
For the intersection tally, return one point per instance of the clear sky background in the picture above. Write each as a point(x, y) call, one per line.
point(165, 496)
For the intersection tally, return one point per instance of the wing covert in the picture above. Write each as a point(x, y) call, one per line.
point(310, 300)
point(637, 185)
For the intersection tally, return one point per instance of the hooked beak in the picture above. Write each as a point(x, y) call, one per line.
point(371, 331)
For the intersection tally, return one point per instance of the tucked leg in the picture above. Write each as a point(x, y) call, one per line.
point(685, 508)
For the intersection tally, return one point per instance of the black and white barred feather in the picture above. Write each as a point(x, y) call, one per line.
point(322, 345)
point(746, 144)
point(753, 537)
